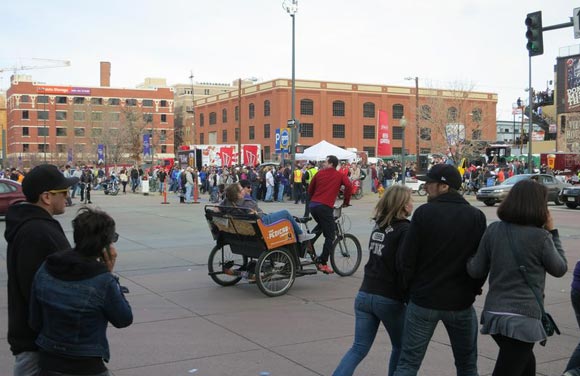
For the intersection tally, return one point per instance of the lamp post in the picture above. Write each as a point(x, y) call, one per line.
point(239, 122)
point(192, 108)
point(291, 6)
point(417, 129)
point(403, 124)
point(45, 131)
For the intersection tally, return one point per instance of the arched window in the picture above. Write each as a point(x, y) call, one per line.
point(369, 110)
point(224, 116)
point(306, 107)
point(338, 108)
point(251, 110)
point(452, 114)
point(476, 115)
point(425, 112)
point(266, 108)
point(398, 111)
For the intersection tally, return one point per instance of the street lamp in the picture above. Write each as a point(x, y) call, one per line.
point(418, 130)
point(192, 108)
point(291, 6)
point(403, 124)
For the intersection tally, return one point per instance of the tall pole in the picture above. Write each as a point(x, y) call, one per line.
point(418, 129)
point(240, 122)
point(45, 130)
point(530, 104)
point(293, 110)
point(403, 124)
point(192, 109)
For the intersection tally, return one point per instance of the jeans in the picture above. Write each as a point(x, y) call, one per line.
point(26, 364)
point(161, 187)
point(370, 310)
point(574, 363)
point(420, 323)
point(324, 216)
point(269, 193)
point(188, 190)
point(268, 219)
point(255, 189)
point(280, 193)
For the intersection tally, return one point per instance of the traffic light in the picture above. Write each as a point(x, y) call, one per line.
point(535, 44)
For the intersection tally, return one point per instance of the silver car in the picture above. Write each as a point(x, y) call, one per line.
point(497, 193)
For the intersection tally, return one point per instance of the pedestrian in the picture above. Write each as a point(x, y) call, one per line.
point(381, 298)
point(86, 182)
point(124, 180)
point(323, 191)
point(516, 252)
point(444, 233)
point(73, 298)
point(161, 175)
point(269, 184)
point(309, 172)
point(573, 366)
point(32, 234)
point(298, 187)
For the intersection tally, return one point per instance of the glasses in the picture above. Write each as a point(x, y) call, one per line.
point(115, 238)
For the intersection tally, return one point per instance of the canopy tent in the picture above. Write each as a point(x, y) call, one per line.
point(321, 150)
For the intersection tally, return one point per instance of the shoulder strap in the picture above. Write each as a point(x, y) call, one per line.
point(521, 267)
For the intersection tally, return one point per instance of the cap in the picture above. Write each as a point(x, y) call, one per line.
point(443, 173)
point(44, 178)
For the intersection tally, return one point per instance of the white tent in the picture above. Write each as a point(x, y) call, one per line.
point(321, 150)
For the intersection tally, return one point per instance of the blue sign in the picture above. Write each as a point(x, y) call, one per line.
point(146, 145)
point(285, 138)
point(100, 153)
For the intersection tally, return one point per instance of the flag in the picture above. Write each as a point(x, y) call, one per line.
point(384, 147)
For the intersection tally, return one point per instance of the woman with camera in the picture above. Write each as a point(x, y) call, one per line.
point(74, 296)
point(517, 252)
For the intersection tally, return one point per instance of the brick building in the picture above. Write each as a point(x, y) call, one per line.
point(59, 124)
point(344, 114)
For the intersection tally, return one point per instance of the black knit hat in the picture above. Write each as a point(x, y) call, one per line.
point(44, 178)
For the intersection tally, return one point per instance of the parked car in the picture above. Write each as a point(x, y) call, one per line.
point(497, 193)
point(417, 186)
point(571, 196)
point(10, 192)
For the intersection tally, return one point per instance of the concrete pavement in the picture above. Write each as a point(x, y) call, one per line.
point(185, 324)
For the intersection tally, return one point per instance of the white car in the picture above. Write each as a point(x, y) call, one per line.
point(416, 186)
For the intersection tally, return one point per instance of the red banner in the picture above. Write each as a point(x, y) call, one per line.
point(250, 155)
point(227, 156)
point(384, 147)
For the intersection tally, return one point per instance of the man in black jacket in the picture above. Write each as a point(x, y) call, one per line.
point(443, 235)
point(32, 234)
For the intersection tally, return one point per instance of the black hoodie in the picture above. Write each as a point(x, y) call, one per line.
point(32, 235)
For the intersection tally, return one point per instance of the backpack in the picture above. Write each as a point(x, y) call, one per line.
point(183, 179)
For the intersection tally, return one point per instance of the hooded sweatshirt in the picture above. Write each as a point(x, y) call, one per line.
point(32, 235)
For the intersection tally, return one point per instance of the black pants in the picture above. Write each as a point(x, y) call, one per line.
point(574, 364)
point(515, 358)
point(88, 191)
point(324, 216)
point(298, 192)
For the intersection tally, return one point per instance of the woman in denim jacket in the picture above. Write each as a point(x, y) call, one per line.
point(74, 296)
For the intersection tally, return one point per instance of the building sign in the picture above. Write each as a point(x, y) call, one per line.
point(568, 71)
point(572, 134)
point(63, 90)
point(384, 147)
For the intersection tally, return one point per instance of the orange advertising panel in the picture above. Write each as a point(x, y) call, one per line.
point(278, 233)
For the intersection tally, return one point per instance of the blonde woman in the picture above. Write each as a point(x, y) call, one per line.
point(381, 298)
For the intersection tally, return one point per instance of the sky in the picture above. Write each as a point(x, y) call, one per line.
point(446, 43)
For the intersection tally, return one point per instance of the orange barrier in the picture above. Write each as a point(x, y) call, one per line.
point(165, 202)
point(195, 191)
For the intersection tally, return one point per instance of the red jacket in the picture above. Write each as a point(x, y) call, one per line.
point(325, 186)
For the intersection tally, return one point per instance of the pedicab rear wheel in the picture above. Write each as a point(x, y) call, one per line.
point(221, 259)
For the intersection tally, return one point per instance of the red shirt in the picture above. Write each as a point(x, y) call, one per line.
point(325, 186)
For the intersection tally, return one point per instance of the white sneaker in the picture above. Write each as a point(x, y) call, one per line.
point(304, 237)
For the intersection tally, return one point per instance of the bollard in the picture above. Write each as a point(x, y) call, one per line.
point(165, 202)
point(195, 191)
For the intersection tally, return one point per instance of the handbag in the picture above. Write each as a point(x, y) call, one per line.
point(547, 320)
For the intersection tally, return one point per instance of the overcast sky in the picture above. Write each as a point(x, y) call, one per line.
point(479, 43)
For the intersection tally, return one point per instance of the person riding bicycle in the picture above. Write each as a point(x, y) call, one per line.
point(323, 191)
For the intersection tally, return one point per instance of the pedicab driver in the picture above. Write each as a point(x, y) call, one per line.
point(323, 191)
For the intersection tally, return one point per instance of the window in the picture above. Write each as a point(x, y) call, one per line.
point(42, 99)
point(114, 116)
point(225, 135)
point(425, 112)
point(42, 115)
point(201, 138)
point(369, 132)
point(251, 132)
point(266, 130)
point(25, 98)
point(79, 100)
point(60, 115)
point(224, 116)
point(79, 132)
point(164, 118)
point(251, 111)
point(43, 148)
point(425, 151)
point(476, 115)
point(25, 131)
point(95, 132)
point(25, 115)
point(307, 130)
point(237, 134)
point(163, 135)
point(266, 108)
point(236, 113)
point(97, 101)
point(338, 130)
point(42, 131)
point(212, 118)
point(61, 148)
point(206, 91)
point(79, 116)
point(396, 151)
point(476, 134)
point(164, 149)
point(163, 103)
point(338, 108)
point(397, 134)
point(369, 110)
point(25, 148)
point(60, 100)
point(114, 101)
point(147, 103)
point(148, 118)
point(370, 150)
point(267, 153)
point(201, 120)
point(398, 111)
point(96, 116)
point(426, 134)
point(306, 107)
point(131, 102)
point(452, 114)
point(60, 132)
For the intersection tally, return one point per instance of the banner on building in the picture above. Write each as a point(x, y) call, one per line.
point(70, 157)
point(100, 154)
point(146, 145)
point(568, 74)
point(384, 147)
point(251, 155)
point(227, 156)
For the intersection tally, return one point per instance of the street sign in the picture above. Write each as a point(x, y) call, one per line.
point(576, 21)
point(284, 138)
point(291, 122)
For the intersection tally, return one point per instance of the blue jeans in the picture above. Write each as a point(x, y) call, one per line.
point(280, 193)
point(574, 363)
point(420, 323)
point(370, 310)
point(188, 190)
point(268, 219)
point(161, 187)
point(269, 193)
point(26, 364)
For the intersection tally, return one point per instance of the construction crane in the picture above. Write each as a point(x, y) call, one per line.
point(50, 63)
